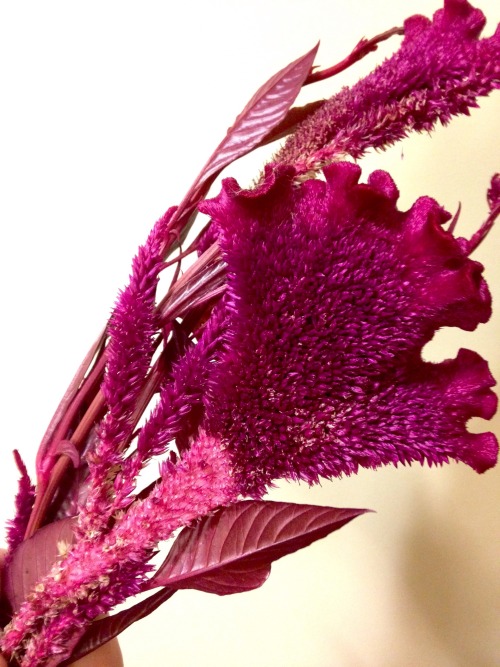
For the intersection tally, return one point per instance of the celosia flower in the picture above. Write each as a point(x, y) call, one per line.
point(439, 71)
point(98, 574)
point(132, 331)
point(309, 366)
point(332, 294)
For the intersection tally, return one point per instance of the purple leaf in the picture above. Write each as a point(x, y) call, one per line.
point(267, 108)
point(34, 558)
point(294, 116)
point(104, 629)
point(58, 659)
point(67, 448)
point(232, 550)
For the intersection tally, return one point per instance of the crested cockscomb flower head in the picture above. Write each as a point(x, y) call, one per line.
point(291, 348)
point(332, 294)
point(440, 70)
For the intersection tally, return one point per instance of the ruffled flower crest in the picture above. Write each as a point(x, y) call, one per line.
point(332, 294)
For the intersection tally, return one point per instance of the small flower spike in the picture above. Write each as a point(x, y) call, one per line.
point(440, 70)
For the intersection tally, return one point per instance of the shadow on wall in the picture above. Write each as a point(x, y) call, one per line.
point(451, 579)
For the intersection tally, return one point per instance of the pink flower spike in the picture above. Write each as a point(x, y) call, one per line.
point(440, 70)
point(178, 410)
point(99, 573)
point(132, 329)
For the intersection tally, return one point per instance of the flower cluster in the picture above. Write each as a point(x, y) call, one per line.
point(291, 348)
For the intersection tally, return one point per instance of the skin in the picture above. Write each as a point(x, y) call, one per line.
point(108, 655)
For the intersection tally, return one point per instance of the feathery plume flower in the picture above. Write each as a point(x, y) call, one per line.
point(440, 70)
point(104, 572)
point(132, 329)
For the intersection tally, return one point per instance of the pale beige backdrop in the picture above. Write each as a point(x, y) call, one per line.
point(108, 111)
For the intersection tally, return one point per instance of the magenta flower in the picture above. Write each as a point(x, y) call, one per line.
point(332, 294)
point(291, 348)
point(100, 573)
point(439, 71)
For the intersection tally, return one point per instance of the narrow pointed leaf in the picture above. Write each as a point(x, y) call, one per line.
point(104, 629)
point(267, 108)
point(232, 550)
point(34, 558)
point(43, 457)
point(58, 659)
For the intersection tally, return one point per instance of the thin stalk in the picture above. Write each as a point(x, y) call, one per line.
point(79, 437)
point(361, 49)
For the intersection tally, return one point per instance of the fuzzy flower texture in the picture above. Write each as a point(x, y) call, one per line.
point(333, 292)
point(303, 357)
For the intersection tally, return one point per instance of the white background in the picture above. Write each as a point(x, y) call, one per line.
point(108, 111)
